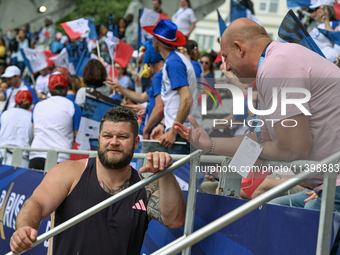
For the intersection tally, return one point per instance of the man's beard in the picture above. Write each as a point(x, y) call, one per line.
point(117, 162)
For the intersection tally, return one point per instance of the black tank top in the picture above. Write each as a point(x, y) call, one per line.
point(117, 229)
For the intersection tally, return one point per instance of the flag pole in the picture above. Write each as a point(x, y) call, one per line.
point(32, 78)
point(139, 40)
point(98, 49)
point(113, 69)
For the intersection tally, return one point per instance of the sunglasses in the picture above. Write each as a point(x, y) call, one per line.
point(205, 62)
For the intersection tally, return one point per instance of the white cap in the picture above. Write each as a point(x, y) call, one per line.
point(319, 3)
point(64, 39)
point(11, 71)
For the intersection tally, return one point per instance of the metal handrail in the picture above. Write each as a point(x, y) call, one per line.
point(109, 201)
point(204, 159)
point(187, 240)
point(177, 246)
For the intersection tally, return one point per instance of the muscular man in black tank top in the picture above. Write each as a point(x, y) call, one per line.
point(71, 187)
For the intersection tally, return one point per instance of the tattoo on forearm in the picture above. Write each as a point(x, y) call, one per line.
point(114, 191)
point(151, 189)
point(154, 210)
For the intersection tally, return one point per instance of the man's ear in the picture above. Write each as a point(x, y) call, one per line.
point(240, 48)
point(137, 140)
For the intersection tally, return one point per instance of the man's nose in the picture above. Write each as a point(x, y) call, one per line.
point(227, 66)
point(114, 140)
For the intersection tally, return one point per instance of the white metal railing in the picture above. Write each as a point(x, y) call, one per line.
point(325, 222)
point(185, 242)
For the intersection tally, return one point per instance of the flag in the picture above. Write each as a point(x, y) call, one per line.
point(108, 68)
point(147, 17)
point(337, 9)
point(291, 30)
point(120, 51)
point(332, 36)
point(79, 55)
point(298, 3)
point(221, 23)
point(222, 26)
point(238, 10)
point(36, 60)
point(62, 60)
point(112, 26)
point(93, 33)
point(77, 28)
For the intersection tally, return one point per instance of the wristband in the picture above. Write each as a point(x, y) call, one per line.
point(162, 124)
point(212, 145)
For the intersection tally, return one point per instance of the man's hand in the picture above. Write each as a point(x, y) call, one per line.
point(197, 137)
point(135, 107)
point(156, 161)
point(312, 195)
point(168, 139)
point(22, 239)
point(157, 132)
point(141, 112)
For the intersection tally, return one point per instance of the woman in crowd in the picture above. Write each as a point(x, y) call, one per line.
point(74, 84)
point(190, 50)
point(185, 18)
point(94, 75)
point(123, 79)
point(208, 69)
point(121, 28)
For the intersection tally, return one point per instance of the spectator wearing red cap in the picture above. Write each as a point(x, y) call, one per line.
point(16, 127)
point(55, 122)
point(12, 75)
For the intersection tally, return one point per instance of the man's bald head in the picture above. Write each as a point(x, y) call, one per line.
point(244, 30)
point(241, 45)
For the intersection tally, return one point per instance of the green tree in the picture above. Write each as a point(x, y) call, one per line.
point(99, 10)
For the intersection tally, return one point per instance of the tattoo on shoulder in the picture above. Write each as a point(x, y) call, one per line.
point(154, 210)
point(114, 191)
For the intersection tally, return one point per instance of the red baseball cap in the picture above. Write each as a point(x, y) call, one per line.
point(23, 95)
point(57, 79)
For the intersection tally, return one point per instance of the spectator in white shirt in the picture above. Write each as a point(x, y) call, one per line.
point(185, 18)
point(16, 127)
point(56, 122)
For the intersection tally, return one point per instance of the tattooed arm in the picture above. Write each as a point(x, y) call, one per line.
point(165, 198)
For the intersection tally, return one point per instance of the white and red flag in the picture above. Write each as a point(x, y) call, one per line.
point(149, 18)
point(76, 28)
point(119, 50)
point(36, 60)
point(110, 73)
